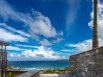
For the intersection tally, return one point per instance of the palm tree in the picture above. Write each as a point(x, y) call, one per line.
point(95, 24)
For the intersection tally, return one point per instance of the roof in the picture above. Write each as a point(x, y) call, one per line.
point(3, 43)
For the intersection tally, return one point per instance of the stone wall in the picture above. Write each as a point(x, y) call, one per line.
point(87, 64)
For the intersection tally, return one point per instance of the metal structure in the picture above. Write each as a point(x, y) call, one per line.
point(95, 26)
point(3, 59)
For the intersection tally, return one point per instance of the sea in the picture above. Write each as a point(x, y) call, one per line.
point(39, 64)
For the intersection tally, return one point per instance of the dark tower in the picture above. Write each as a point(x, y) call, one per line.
point(95, 28)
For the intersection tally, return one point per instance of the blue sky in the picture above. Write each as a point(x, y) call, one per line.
point(47, 29)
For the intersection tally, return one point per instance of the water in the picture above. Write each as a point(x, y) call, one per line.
point(39, 64)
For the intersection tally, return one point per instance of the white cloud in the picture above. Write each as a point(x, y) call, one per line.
point(72, 12)
point(14, 55)
point(41, 53)
point(28, 46)
point(66, 50)
point(14, 48)
point(14, 30)
point(72, 45)
point(85, 45)
point(45, 42)
point(8, 36)
point(42, 26)
point(11, 55)
point(57, 40)
point(71, 16)
point(39, 25)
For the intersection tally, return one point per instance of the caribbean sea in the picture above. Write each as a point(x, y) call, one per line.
point(39, 64)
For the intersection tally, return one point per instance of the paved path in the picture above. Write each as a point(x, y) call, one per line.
point(54, 75)
point(29, 74)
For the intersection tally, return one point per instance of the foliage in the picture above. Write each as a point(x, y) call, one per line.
point(55, 71)
point(11, 74)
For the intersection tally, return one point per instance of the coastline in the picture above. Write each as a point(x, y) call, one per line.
point(39, 65)
point(41, 69)
point(16, 68)
point(15, 71)
point(44, 67)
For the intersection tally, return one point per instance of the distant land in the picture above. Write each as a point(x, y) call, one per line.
point(63, 60)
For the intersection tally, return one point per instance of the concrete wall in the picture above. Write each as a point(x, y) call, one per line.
point(87, 64)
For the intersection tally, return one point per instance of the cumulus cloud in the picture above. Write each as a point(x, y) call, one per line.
point(14, 55)
point(8, 36)
point(84, 46)
point(39, 25)
point(42, 26)
point(40, 53)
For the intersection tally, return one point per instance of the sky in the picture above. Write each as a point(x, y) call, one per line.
point(48, 29)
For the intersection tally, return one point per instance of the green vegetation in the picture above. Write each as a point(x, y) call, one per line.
point(11, 74)
point(10, 67)
point(55, 71)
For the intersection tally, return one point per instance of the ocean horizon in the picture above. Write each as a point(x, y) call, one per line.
point(39, 64)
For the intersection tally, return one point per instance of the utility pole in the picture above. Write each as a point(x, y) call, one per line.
point(95, 43)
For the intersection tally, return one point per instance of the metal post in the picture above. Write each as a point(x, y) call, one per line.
point(2, 61)
point(5, 62)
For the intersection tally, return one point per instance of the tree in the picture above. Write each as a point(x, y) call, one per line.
point(95, 26)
